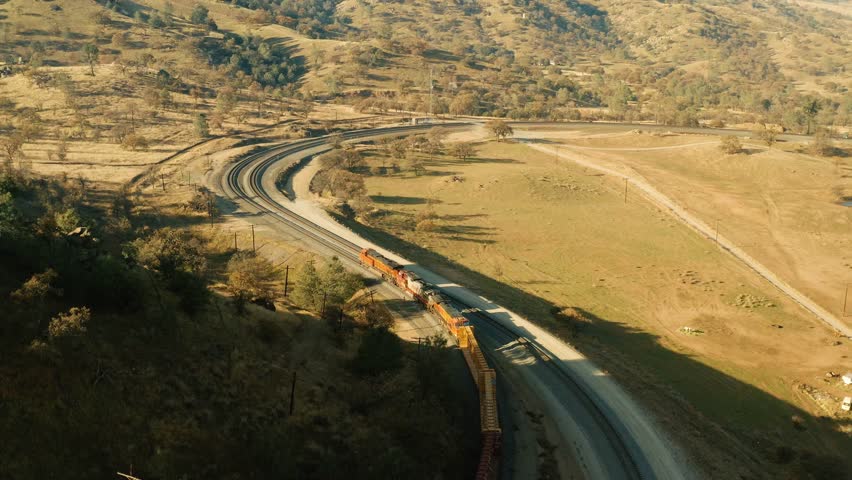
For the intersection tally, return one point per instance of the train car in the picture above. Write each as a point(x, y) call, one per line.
point(415, 285)
point(389, 269)
point(459, 326)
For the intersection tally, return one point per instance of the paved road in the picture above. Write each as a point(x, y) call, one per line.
point(600, 431)
point(698, 225)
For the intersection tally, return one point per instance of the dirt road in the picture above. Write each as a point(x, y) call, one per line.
point(634, 179)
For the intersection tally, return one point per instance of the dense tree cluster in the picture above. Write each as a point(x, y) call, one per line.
point(309, 17)
point(267, 64)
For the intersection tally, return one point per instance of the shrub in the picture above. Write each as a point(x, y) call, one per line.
point(731, 145)
point(426, 226)
point(169, 250)
point(251, 278)
point(135, 142)
point(822, 144)
point(73, 323)
point(191, 290)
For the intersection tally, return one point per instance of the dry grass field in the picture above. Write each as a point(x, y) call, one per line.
point(551, 240)
point(783, 205)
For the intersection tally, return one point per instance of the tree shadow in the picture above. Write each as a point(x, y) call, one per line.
point(399, 200)
point(734, 420)
point(441, 55)
point(480, 160)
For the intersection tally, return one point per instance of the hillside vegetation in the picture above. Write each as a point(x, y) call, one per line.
point(676, 62)
point(120, 353)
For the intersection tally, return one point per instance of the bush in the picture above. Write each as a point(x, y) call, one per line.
point(731, 145)
point(250, 279)
point(191, 290)
point(169, 250)
point(426, 226)
point(73, 323)
point(822, 145)
point(114, 285)
point(135, 142)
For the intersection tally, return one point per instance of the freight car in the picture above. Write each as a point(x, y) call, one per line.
point(459, 326)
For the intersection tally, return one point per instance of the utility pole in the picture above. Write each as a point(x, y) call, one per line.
point(324, 297)
point(286, 278)
point(625, 189)
point(235, 242)
point(293, 393)
point(431, 88)
point(253, 246)
point(163, 180)
point(717, 231)
point(845, 298)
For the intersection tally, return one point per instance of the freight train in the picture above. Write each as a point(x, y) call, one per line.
point(459, 326)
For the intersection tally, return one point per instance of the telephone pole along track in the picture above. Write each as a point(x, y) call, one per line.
point(593, 415)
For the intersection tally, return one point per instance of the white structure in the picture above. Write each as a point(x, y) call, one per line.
point(847, 379)
point(847, 404)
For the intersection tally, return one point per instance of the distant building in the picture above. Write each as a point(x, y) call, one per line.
point(847, 379)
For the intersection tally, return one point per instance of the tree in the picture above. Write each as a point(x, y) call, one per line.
point(767, 134)
point(500, 129)
point(202, 129)
point(338, 284)
point(199, 15)
point(333, 286)
point(226, 101)
point(436, 137)
point(197, 94)
point(67, 220)
point(810, 110)
point(398, 148)
point(251, 279)
point(168, 251)
point(8, 215)
point(91, 54)
point(346, 185)
point(71, 324)
point(462, 150)
point(375, 315)
point(309, 291)
point(352, 158)
point(36, 288)
point(306, 106)
point(822, 144)
point(464, 104)
point(12, 148)
point(731, 144)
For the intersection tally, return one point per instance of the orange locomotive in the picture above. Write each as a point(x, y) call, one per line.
point(414, 286)
point(459, 326)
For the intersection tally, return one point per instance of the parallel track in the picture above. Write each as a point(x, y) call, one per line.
point(258, 163)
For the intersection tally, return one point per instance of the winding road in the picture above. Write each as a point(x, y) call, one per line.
point(598, 430)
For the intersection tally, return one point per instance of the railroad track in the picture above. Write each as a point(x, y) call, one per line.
point(253, 167)
point(628, 464)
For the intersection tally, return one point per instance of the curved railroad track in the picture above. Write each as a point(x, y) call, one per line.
point(606, 445)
